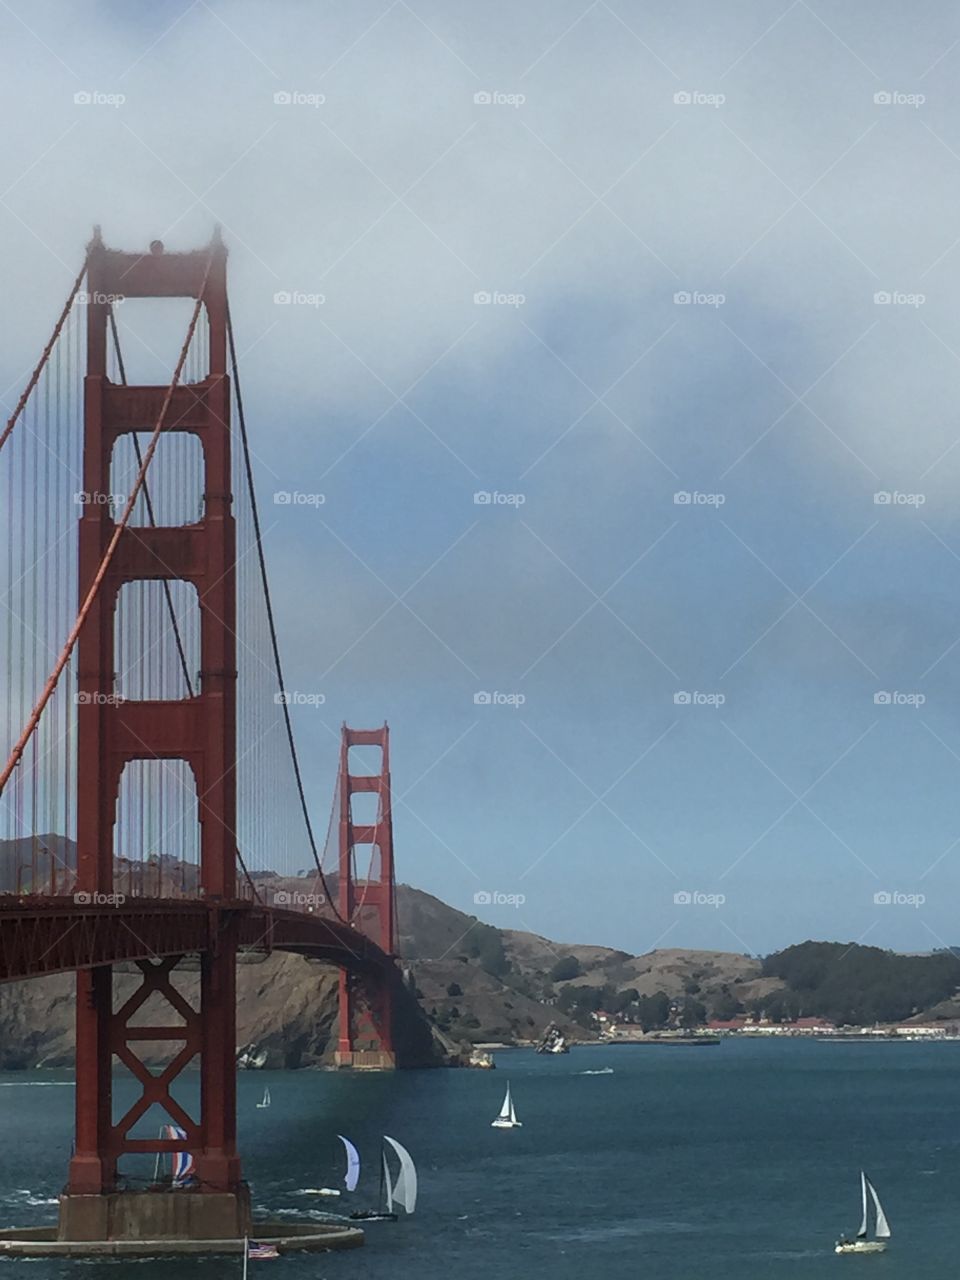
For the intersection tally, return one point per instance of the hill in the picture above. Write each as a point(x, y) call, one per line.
point(468, 982)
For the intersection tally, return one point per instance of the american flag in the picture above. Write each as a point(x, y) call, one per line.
point(255, 1250)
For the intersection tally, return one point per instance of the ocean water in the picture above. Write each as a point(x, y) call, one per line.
point(740, 1161)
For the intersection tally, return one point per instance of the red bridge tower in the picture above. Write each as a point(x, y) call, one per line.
point(366, 1009)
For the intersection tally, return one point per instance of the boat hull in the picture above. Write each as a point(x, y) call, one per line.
point(506, 1124)
point(861, 1246)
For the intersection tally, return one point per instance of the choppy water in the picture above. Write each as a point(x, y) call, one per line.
point(740, 1161)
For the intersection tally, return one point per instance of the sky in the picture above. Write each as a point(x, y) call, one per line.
point(608, 355)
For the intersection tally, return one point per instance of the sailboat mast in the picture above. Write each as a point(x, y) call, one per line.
point(383, 1157)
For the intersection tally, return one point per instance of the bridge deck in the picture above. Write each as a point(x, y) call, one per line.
point(40, 936)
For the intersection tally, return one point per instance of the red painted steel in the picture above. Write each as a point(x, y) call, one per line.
point(366, 1007)
point(200, 730)
point(39, 937)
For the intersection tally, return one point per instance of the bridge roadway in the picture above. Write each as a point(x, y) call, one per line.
point(45, 935)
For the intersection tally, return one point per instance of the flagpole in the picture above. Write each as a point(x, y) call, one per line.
point(246, 1255)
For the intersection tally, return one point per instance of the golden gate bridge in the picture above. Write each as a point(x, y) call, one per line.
point(151, 793)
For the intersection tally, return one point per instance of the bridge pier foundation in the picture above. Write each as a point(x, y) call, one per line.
point(156, 1215)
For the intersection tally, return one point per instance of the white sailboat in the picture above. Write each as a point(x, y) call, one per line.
point(881, 1233)
point(401, 1191)
point(266, 1099)
point(507, 1119)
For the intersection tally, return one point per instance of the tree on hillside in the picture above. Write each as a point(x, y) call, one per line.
point(566, 968)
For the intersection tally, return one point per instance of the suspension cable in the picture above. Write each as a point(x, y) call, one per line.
point(278, 666)
point(48, 690)
point(45, 356)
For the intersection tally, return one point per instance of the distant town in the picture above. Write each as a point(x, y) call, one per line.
point(613, 1029)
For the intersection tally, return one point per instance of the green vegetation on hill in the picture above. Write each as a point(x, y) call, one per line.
point(852, 984)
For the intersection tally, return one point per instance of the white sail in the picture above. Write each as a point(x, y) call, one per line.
point(883, 1227)
point(352, 1176)
point(405, 1188)
point(863, 1225)
point(507, 1111)
point(513, 1114)
point(386, 1182)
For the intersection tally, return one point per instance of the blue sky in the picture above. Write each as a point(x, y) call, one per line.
point(597, 398)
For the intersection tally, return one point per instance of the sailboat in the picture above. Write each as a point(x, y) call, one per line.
point(507, 1119)
point(402, 1191)
point(266, 1099)
point(183, 1167)
point(882, 1232)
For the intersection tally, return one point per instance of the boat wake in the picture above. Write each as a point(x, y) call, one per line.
point(37, 1084)
point(317, 1191)
point(22, 1197)
point(599, 1071)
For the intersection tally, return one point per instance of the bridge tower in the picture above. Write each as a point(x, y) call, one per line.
point(199, 729)
point(366, 1007)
